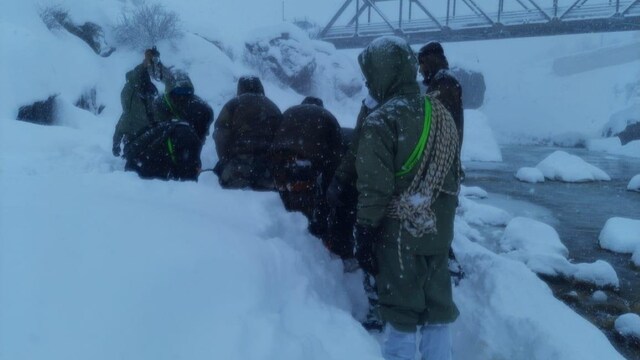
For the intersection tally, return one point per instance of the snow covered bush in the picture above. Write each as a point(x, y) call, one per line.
point(146, 25)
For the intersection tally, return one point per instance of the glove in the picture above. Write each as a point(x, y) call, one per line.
point(365, 239)
point(116, 150)
point(335, 194)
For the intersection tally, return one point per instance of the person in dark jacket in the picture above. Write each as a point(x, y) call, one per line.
point(434, 68)
point(243, 133)
point(137, 98)
point(305, 153)
point(179, 103)
point(170, 149)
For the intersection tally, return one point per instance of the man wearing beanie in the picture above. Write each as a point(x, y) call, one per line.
point(434, 67)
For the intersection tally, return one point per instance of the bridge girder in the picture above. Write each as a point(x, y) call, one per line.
point(512, 18)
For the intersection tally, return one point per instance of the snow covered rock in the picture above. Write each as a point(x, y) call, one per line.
point(530, 175)
point(599, 296)
point(628, 325)
point(635, 258)
point(634, 184)
point(473, 192)
point(538, 246)
point(620, 235)
point(532, 237)
point(481, 214)
point(623, 124)
point(479, 143)
point(309, 67)
point(570, 168)
point(473, 86)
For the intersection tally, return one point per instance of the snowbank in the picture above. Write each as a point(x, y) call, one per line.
point(530, 175)
point(634, 184)
point(628, 325)
point(479, 144)
point(473, 192)
point(570, 168)
point(620, 235)
point(621, 119)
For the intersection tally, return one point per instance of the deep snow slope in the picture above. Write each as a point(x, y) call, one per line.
point(98, 264)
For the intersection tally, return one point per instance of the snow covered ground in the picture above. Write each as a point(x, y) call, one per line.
point(98, 264)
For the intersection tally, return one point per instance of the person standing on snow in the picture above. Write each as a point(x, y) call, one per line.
point(243, 133)
point(137, 98)
point(434, 68)
point(407, 181)
point(306, 150)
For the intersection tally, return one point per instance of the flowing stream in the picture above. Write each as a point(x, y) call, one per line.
point(578, 212)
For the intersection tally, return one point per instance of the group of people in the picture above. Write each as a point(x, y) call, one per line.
point(384, 193)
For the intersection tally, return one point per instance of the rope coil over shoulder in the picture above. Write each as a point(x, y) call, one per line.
point(439, 150)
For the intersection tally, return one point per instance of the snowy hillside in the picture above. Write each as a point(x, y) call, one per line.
point(98, 264)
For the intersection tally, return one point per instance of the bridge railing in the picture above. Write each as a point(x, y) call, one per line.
point(379, 17)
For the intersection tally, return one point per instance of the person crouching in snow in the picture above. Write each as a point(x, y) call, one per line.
point(407, 181)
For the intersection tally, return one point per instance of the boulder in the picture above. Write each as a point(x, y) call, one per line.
point(473, 87)
point(286, 58)
point(41, 112)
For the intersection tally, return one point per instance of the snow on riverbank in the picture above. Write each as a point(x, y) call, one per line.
point(479, 144)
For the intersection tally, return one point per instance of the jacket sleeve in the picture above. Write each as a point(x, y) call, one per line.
point(222, 132)
point(375, 170)
point(346, 171)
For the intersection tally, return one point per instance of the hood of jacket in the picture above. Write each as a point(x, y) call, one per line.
point(250, 85)
point(389, 66)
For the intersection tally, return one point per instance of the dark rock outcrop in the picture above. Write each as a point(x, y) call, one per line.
point(630, 133)
point(41, 112)
point(88, 101)
point(89, 32)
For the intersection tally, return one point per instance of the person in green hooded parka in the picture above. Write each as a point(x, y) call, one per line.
point(412, 277)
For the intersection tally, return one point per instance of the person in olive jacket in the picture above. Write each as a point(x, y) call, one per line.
point(406, 211)
point(137, 98)
point(243, 133)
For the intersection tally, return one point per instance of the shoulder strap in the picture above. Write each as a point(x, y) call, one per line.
point(422, 142)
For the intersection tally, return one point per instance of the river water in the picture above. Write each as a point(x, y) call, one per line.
point(578, 212)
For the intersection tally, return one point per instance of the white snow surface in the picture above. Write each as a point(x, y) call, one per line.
point(479, 144)
point(530, 175)
point(628, 325)
point(620, 235)
point(634, 183)
point(570, 168)
point(98, 264)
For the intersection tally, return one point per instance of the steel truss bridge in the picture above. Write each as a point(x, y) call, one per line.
point(358, 22)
